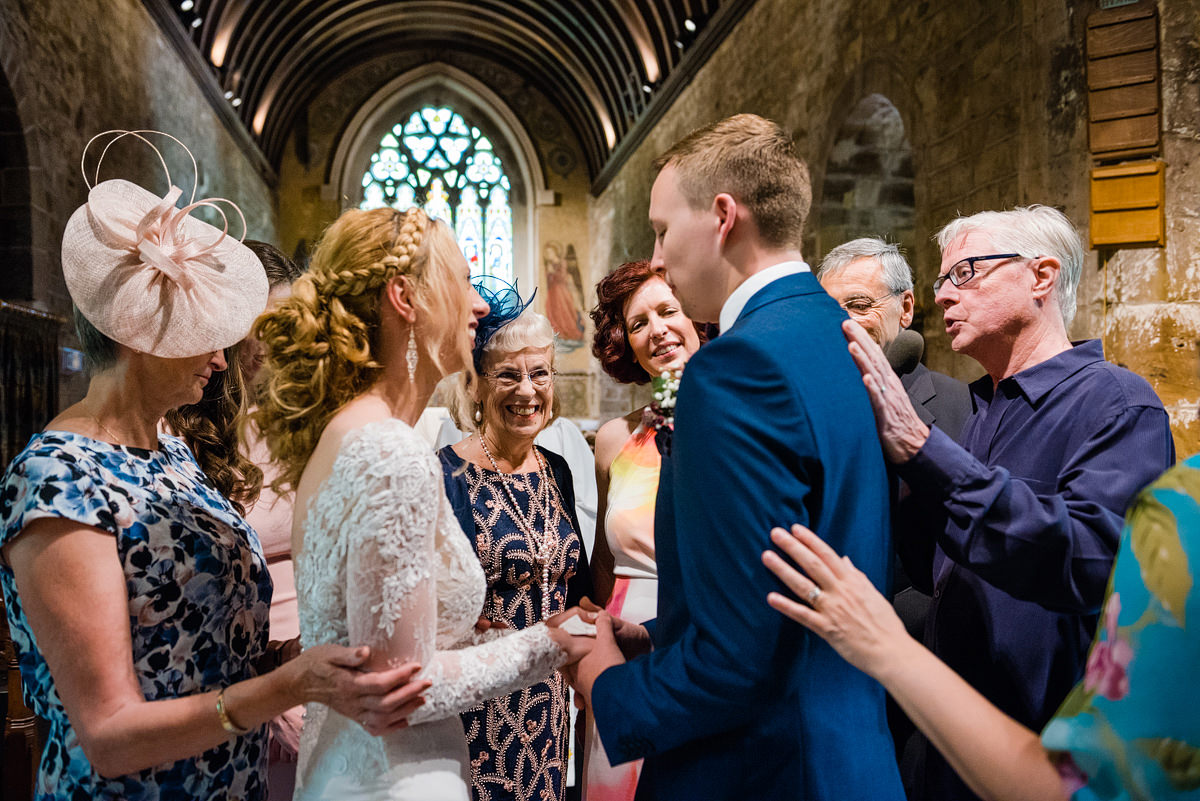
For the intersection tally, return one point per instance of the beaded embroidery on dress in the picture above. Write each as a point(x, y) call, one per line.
point(386, 564)
point(519, 742)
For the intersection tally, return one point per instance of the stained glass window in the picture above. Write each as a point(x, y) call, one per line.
point(436, 159)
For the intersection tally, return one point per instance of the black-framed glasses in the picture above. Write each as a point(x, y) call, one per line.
point(863, 305)
point(963, 271)
point(510, 379)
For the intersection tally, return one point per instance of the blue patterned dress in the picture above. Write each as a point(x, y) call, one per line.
point(519, 743)
point(1131, 729)
point(199, 595)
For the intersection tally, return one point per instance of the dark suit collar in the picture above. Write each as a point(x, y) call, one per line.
point(785, 287)
point(918, 383)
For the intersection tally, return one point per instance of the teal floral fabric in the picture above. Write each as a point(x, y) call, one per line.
point(199, 595)
point(1131, 728)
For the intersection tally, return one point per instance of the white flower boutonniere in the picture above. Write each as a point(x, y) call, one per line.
point(661, 411)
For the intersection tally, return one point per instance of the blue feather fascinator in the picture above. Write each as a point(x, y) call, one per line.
point(505, 305)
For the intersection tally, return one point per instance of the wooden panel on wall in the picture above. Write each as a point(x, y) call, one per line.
point(1128, 204)
point(1129, 34)
point(1124, 109)
point(1124, 135)
point(1122, 101)
point(1123, 70)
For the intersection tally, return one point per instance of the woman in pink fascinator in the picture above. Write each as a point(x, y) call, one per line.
point(136, 594)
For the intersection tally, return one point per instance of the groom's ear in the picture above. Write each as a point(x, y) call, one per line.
point(725, 209)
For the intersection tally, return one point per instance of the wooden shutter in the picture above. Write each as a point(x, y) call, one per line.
point(1127, 205)
point(1124, 110)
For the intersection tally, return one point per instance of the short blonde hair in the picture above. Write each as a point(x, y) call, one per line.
point(528, 331)
point(320, 343)
point(755, 161)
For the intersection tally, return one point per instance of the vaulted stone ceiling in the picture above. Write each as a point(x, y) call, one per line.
point(611, 66)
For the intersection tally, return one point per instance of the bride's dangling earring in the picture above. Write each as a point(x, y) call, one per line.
point(479, 414)
point(411, 356)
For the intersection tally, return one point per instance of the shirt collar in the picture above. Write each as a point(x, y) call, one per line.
point(738, 299)
point(1035, 382)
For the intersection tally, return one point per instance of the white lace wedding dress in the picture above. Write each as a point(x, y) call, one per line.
point(386, 564)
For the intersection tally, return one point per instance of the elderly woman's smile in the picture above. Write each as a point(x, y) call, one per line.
point(518, 392)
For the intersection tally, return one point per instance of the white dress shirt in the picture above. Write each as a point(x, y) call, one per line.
point(738, 299)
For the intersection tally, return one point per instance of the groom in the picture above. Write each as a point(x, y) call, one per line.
point(773, 427)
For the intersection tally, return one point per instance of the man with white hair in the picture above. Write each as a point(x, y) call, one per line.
point(871, 280)
point(1015, 531)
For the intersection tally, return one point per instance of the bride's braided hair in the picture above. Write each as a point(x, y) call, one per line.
point(320, 343)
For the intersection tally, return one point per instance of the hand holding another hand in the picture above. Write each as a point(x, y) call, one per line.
point(577, 646)
point(631, 638)
point(604, 654)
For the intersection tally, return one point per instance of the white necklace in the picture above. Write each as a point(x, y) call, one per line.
point(543, 546)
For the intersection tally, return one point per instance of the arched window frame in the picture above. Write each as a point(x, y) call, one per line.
point(442, 85)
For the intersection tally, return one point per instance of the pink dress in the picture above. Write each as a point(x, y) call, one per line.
point(629, 529)
point(271, 517)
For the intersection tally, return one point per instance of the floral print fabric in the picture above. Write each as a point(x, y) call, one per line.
point(1131, 728)
point(199, 594)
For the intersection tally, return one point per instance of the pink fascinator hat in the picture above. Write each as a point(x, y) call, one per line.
point(150, 276)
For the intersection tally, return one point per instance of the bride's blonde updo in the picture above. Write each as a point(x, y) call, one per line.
point(320, 343)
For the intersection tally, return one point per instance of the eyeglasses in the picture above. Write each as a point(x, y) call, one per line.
point(963, 271)
point(511, 379)
point(860, 306)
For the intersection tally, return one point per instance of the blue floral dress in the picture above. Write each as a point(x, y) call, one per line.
point(199, 595)
point(1131, 728)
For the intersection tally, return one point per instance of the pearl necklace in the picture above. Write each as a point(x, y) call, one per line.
point(542, 547)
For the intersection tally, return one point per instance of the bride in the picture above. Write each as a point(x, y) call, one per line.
point(385, 311)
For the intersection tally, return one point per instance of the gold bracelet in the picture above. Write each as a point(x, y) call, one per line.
point(223, 715)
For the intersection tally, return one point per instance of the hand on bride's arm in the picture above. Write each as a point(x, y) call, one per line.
point(838, 602)
point(380, 700)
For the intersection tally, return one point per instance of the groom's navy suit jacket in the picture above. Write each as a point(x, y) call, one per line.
point(773, 427)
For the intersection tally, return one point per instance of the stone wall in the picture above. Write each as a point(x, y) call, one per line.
point(80, 67)
point(993, 100)
point(1146, 302)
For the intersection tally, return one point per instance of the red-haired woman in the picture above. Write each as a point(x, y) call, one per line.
point(641, 333)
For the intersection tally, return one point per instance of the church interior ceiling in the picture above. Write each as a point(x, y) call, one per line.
point(611, 66)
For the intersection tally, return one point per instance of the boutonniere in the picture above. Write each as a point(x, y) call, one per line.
point(661, 411)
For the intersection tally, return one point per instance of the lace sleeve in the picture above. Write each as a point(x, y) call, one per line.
point(391, 590)
point(465, 678)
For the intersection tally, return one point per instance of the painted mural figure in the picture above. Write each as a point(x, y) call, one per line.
point(564, 294)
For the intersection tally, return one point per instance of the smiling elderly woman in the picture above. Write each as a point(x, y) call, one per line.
point(516, 503)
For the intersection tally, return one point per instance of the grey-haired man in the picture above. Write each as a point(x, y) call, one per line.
point(872, 281)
